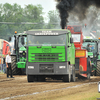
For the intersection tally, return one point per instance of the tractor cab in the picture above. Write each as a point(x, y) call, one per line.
point(19, 52)
point(76, 35)
point(93, 44)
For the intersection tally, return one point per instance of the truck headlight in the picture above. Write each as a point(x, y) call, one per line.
point(91, 56)
point(30, 67)
point(62, 67)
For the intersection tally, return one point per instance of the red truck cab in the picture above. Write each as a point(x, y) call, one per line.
point(81, 61)
point(77, 35)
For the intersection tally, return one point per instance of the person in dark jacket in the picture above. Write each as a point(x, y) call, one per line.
point(88, 48)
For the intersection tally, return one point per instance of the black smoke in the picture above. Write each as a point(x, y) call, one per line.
point(77, 7)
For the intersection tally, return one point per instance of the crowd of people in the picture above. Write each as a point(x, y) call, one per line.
point(7, 64)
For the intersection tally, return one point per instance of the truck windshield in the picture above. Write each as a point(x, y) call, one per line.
point(47, 40)
point(77, 28)
point(93, 46)
point(19, 42)
point(76, 37)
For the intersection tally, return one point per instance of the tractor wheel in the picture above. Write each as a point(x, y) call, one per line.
point(30, 78)
point(98, 69)
point(15, 70)
point(73, 75)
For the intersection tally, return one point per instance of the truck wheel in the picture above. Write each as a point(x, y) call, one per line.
point(15, 70)
point(98, 69)
point(67, 78)
point(30, 78)
point(73, 75)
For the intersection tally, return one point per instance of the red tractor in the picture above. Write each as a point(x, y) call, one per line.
point(82, 61)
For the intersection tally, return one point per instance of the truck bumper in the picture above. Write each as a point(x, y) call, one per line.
point(58, 68)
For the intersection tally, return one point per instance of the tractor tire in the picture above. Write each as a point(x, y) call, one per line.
point(30, 78)
point(73, 75)
point(15, 70)
point(98, 69)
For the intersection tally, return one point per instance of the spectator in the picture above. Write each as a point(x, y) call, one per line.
point(88, 48)
point(4, 64)
point(8, 64)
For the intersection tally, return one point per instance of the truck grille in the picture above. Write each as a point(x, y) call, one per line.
point(45, 57)
point(46, 68)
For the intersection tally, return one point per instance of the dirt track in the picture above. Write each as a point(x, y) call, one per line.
point(49, 90)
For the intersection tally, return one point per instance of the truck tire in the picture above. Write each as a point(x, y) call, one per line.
point(98, 69)
point(30, 78)
point(73, 75)
point(67, 78)
point(15, 70)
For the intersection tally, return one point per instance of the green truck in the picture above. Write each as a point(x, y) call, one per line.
point(93, 54)
point(50, 53)
point(18, 54)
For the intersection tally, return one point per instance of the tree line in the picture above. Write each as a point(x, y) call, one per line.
point(30, 13)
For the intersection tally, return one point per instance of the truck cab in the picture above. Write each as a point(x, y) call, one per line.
point(77, 35)
point(50, 53)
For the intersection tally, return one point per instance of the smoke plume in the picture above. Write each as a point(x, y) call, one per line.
point(78, 8)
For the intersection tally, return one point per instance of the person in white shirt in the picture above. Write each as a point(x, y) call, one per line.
point(8, 64)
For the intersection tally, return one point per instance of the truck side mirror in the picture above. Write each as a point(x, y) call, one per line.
point(9, 39)
point(71, 40)
point(22, 40)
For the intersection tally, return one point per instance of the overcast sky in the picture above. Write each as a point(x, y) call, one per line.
point(46, 4)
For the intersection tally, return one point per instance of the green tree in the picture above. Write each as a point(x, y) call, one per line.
point(34, 14)
point(15, 13)
point(53, 17)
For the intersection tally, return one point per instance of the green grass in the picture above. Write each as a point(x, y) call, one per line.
point(97, 95)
